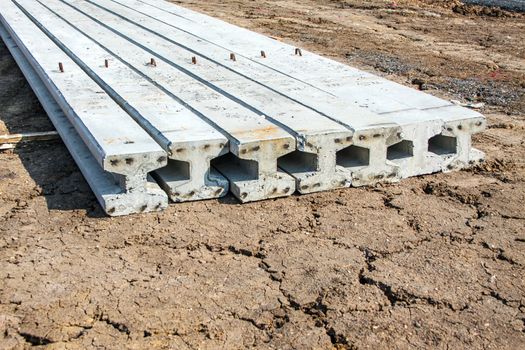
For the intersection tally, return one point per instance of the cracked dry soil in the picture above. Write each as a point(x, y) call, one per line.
point(431, 262)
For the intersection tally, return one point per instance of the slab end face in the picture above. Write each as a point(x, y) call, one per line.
point(453, 145)
point(460, 132)
point(127, 188)
point(412, 153)
point(131, 169)
point(152, 198)
point(314, 165)
point(251, 169)
point(189, 175)
point(276, 185)
point(366, 159)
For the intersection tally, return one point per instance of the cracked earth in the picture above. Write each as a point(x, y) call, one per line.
point(432, 262)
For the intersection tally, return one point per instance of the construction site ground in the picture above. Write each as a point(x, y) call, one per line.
point(432, 262)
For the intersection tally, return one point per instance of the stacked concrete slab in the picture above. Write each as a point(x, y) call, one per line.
point(149, 96)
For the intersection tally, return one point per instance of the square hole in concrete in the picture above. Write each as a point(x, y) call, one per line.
point(442, 145)
point(235, 168)
point(353, 156)
point(298, 162)
point(403, 149)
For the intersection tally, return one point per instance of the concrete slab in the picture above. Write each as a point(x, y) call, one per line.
point(171, 124)
point(317, 134)
point(109, 194)
point(354, 86)
point(250, 135)
point(203, 90)
point(459, 125)
point(312, 126)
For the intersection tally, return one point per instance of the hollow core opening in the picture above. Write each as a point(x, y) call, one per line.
point(353, 156)
point(298, 162)
point(403, 149)
point(442, 145)
point(174, 171)
point(236, 168)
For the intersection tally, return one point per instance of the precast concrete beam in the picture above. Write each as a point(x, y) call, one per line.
point(435, 139)
point(189, 175)
point(112, 199)
point(410, 151)
point(252, 169)
point(320, 116)
point(298, 120)
point(190, 142)
point(367, 158)
point(354, 86)
point(314, 163)
point(243, 127)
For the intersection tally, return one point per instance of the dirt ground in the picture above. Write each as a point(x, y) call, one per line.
point(432, 262)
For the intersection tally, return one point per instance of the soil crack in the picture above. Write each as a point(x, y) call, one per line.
point(35, 340)
point(402, 297)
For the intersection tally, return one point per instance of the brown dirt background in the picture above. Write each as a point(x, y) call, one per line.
point(432, 262)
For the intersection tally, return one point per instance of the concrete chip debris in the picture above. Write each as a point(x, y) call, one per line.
point(156, 102)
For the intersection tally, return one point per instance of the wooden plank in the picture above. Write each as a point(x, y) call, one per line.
point(28, 137)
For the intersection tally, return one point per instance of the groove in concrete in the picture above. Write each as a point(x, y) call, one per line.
point(324, 75)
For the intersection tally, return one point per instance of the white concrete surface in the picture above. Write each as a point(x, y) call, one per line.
point(359, 87)
point(288, 121)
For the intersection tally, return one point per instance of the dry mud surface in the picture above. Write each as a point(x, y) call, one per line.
point(432, 262)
